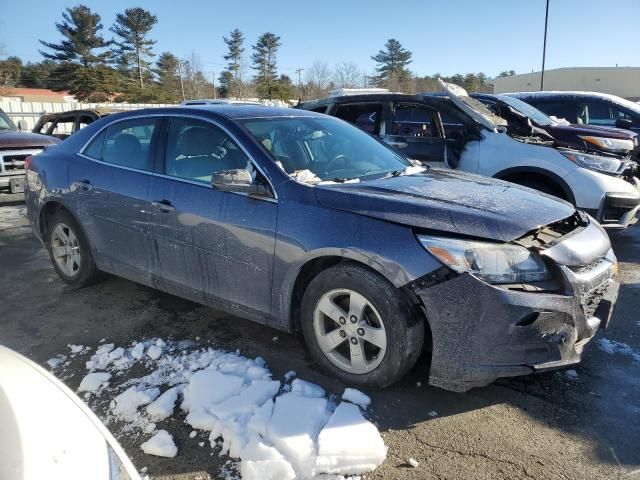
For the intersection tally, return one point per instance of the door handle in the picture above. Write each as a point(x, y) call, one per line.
point(164, 205)
point(399, 144)
point(85, 185)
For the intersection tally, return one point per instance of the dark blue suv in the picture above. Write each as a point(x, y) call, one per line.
point(306, 223)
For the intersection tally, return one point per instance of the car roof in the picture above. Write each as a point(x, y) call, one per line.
point(232, 112)
point(373, 97)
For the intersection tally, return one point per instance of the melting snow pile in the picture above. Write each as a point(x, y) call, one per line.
point(277, 430)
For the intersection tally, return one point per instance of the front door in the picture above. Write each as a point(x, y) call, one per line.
point(415, 131)
point(213, 245)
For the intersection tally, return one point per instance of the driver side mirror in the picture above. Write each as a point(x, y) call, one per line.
point(239, 181)
point(624, 123)
point(22, 125)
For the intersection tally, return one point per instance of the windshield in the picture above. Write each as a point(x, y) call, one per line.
point(5, 122)
point(314, 149)
point(525, 109)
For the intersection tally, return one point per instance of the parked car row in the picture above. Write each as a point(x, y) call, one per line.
point(459, 132)
point(303, 222)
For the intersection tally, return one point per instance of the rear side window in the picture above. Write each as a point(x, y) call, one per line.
point(365, 116)
point(63, 126)
point(126, 143)
point(94, 149)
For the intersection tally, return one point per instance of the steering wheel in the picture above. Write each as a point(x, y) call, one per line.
point(340, 156)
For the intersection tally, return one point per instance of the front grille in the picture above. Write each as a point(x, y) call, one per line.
point(591, 299)
point(13, 163)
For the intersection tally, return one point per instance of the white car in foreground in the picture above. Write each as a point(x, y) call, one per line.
point(46, 431)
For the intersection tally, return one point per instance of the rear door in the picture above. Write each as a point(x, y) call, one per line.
point(415, 131)
point(110, 183)
point(215, 246)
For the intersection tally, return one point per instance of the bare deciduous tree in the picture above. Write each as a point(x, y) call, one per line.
point(318, 79)
point(347, 75)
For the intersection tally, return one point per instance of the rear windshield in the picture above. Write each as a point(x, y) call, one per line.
point(314, 149)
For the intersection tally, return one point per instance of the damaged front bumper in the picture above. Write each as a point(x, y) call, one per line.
point(481, 332)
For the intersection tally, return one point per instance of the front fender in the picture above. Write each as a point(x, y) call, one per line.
point(387, 248)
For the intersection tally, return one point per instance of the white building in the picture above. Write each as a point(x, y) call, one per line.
point(621, 81)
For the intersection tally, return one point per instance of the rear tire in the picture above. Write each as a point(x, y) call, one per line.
point(69, 251)
point(359, 327)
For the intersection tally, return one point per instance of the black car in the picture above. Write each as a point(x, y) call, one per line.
point(63, 124)
point(593, 138)
point(586, 108)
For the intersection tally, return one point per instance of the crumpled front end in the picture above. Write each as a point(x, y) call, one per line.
point(481, 332)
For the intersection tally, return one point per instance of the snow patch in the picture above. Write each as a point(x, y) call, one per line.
point(163, 406)
point(126, 404)
point(356, 397)
point(611, 347)
point(161, 445)
point(306, 389)
point(349, 444)
point(94, 381)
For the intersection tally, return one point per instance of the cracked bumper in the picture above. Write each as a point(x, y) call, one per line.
point(482, 332)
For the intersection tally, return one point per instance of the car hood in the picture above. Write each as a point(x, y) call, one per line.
point(448, 201)
point(472, 107)
point(20, 139)
point(597, 131)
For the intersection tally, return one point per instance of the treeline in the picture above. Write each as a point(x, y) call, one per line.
point(125, 67)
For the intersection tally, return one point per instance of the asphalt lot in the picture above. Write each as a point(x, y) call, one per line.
point(547, 426)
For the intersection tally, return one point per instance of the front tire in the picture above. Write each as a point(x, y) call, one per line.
point(359, 327)
point(69, 251)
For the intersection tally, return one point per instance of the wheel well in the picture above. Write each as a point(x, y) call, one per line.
point(46, 213)
point(312, 268)
point(555, 187)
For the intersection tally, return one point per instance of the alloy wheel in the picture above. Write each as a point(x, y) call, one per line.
point(349, 331)
point(66, 250)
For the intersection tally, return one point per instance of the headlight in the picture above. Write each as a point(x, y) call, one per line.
point(492, 262)
point(612, 144)
point(594, 162)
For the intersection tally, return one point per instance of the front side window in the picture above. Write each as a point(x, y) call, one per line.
point(412, 120)
point(365, 116)
point(314, 149)
point(197, 149)
point(126, 143)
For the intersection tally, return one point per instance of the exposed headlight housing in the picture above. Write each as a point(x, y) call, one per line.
point(598, 163)
point(498, 263)
point(611, 144)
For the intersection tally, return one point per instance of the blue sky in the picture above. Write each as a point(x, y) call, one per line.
point(445, 36)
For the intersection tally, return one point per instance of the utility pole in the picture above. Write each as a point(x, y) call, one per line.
point(181, 82)
point(544, 46)
point(299, 72)
point(214, 84)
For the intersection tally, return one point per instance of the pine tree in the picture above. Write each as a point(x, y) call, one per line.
point(83, 67)
point(392, 65)
point(230, 81)
point(134, 47)
point(265, 63)
point(168, 79)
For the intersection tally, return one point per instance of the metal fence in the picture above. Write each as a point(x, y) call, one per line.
point(30, 112)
